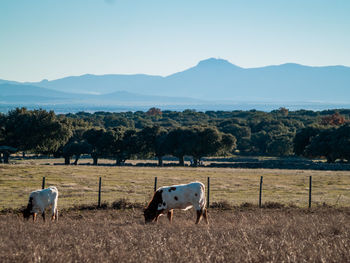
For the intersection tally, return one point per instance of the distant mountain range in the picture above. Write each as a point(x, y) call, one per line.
point(30, 94)
point(211, 81)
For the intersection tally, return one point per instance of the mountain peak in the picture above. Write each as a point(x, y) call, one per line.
point(292, 65)
point(217, 62)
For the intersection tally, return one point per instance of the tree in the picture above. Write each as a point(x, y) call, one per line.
point(241, 133)
point(209, 141)
point(303, 138)
point(111, 121)
point(281, 111)
point(280, 145)
point(341, 142)
point(125, 145)
point(76, 148)
point(38, 131)
point(178, 142)
point(154, 112)
point(204, 142)
point(335, 119)
point(259, 142)
point(6, 151)
point(332, 143)
point(2, 128)
point(228, 143)
point(321, 145)
point(95, 138)
point(2, 133)
point(152, 142)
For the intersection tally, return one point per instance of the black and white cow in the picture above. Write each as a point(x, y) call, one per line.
point(183, 196)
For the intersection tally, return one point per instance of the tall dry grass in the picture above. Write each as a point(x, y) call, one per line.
point(241, 235)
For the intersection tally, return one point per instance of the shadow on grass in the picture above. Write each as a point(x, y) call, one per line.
point(124, 204)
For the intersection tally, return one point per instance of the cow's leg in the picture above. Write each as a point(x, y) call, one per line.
point(56, 215)
point(43, 215)
point(34, 217)
point(199, 215)
point(205, 215)
point(156, 219)
point(170, 215)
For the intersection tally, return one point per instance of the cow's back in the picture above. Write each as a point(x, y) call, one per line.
point(183, 196)
point(45, 197)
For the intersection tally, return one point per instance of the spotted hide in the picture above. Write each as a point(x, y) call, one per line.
point(183, 196)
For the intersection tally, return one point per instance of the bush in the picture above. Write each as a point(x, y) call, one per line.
point(222, 205)
point(273, 205)
point(125, 204)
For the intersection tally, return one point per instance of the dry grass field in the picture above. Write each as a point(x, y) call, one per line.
point(248, 235)
point(78, 185)
point(244, 234)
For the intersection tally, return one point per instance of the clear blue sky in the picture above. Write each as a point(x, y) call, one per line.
point(56, 38)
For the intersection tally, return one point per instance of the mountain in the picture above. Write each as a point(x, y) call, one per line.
point(213, 83)
point(218, 79)
point(29, 94)
point(17, 93)
point(93, 84)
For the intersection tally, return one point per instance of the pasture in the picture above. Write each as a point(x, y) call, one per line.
point(243, 234)
point(78, 185)
point(240, 235)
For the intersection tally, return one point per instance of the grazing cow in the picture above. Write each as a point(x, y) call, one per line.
point(183, 196)
point(39, 200)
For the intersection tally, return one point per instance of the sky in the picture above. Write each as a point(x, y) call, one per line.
point(51, 39)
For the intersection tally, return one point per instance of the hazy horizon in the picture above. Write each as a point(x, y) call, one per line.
point(184, 69)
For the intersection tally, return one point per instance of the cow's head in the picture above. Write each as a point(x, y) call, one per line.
point(27, 212)
point(151, 211)
point(149, 215)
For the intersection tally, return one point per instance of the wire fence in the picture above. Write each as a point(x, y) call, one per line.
point(260, 201)
point(89, 185)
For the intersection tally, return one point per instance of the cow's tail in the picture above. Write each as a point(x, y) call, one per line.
point(202, 199)
point(203, 204)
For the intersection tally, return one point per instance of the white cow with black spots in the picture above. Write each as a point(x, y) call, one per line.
point(183, 196)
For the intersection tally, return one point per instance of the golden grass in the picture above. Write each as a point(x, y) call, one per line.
point(254, 235)
point(79, 184)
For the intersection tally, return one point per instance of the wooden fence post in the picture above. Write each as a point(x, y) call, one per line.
point(208, 193)
point(155, 183)
point(260, 191)
point(310, 189)
point(43, 183)
point(99, 193)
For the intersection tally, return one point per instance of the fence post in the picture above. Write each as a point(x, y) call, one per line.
point(99, 193)
point(155, 183)
point(208, 193)
point(43, 183)
point(260, 191)
point(310, 189)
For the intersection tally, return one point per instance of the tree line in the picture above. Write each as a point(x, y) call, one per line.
point(157, 133)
